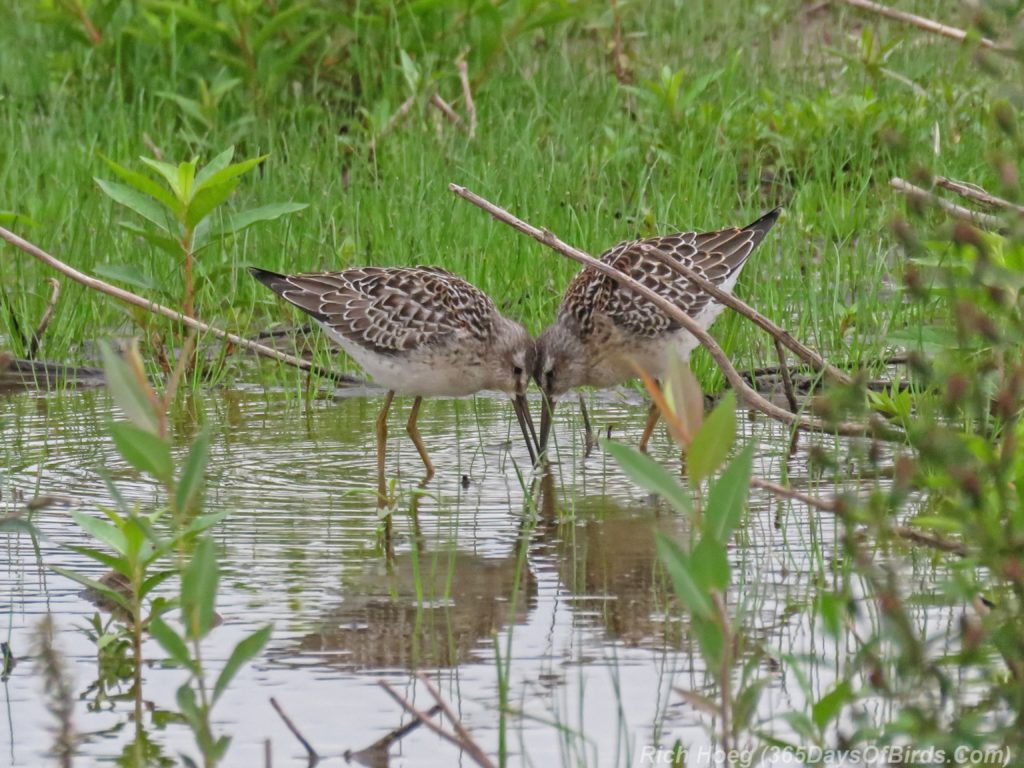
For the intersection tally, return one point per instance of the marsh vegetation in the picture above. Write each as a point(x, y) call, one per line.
point(195, 565)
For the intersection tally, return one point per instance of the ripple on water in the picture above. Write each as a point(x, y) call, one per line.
point(563, 578)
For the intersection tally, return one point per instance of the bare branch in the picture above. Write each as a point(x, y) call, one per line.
point(482, 760)
point(44, 321)
point(802, 351)
point(314, 758)
point(748, 393)
point(905, 532)
point(464, 736)
point(956, 211)
point(383, 744)
point(151, 306)
point(467, 95)
point(976, 193)
point(393, 122)
point(445, 109)
point(921, 22)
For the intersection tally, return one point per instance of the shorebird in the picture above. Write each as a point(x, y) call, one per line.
point(604, 332)
point(419, 331)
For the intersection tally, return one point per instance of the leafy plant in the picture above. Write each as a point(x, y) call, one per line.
point(699, 569)
point(182, 207)
point(143, 550)
point(196, 699)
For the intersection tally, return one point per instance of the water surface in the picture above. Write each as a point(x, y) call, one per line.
point(562, 584)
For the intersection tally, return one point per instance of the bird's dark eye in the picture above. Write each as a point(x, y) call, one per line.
point(517, 371)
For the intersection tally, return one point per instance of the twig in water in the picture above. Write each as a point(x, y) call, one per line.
point(832, 506)
point(158, 309)
point(974, 192)
point(469, 747)
point(956, 211)
point(738, 383)
point(467, 95)
point(314, 758)
point(921, 22)
point(445, 109)
point(787, 386)
point(60, 696)
point(44, 321)
point(383, 744)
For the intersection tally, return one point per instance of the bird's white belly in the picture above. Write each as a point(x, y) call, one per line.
point(415, 373)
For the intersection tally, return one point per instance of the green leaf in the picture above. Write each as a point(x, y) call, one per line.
point(188, 707)
point(203, 522)
point(246, 219)
point(217, 163)
point(800, 723)
point(170, 175)
point(828, 706)
point(143, 184)
point(710, 565)
point(190, 485)
point(118, 564)
point(190, 107)
point(711, 640)
point(154, 581)
point(127, 391)
point(832, 611)
point(166, 244)
point(186, 177)
point(145, 206)
point(246, 650)
point(712, 442)
point(102, 589)
point(129, 274)
point(745, 706)
point(687, 587)
point(229, 172)
point(650, 475)
point(727, 499)
point(143, 450)
point(199, 589)
point(173, 643)
point(99, 530)
point(206, 199)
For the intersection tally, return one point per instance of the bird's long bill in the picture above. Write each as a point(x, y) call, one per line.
point(519, 405)
point(547, 415)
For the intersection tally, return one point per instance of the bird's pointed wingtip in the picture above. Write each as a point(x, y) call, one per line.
point(767, 221)
point(263, 275)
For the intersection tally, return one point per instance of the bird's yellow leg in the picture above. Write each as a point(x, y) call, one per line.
point(652, 420)
point(417, 439)
point(382, 442)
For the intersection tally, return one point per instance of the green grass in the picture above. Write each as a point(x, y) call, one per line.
point(560, 143)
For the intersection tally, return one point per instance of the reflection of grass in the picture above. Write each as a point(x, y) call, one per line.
point(727, 131)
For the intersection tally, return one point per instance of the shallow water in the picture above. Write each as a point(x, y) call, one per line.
point(568, 593)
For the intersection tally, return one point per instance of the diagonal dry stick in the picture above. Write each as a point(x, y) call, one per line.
point(738, 383)
point(986, 220)
point(976, 193)
point(467, 95)
point(832, 506)
point(921, 23)
point(802, 351)
point(469, 747)
point(158, 309)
